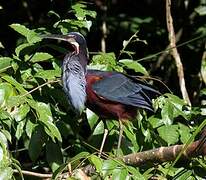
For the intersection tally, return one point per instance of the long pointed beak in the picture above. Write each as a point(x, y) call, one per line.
point(68, 38)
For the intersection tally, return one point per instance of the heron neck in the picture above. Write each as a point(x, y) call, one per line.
point(74, 81)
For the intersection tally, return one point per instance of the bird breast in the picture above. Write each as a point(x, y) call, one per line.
point(74, 83)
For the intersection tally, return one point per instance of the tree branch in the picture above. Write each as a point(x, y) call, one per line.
point(34, 174)
point(158, 155)
point(174, 52)
point(164, 154)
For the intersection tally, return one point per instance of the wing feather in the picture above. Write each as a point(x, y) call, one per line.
point(123, 89)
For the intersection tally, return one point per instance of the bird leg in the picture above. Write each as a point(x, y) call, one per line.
point(103, 141)
point(120, 136)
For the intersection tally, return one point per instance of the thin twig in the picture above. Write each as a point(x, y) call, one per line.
point(164, 55)
point(178, 36)
point(104, 28)
point(175, 53)
point(3, 69)
point(203, 72)
point(35, 174)
point(128, 42)
point(179, 45)
point(38, 87)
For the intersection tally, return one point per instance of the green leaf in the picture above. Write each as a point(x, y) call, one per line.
point(41, 56)
point(33, 37)
point(76, 160)
point(53, 155)
point(45, 116)
point(30, 128)
point(81, 12)
point(50, 13)
point(185, 175)
point(119, 173)
point(184, 132)
point(6, 134)
point(176, 100)
point(1, 155)
point(21, 112)
point(16, 84)
point(108, 167)
point(21, 29)
point(3, 141)
point(6, 173)
point(105, 61)
point(20, 129)
point(5, 62)
point(36, 143)
point(169, 133)
point(203, 70)
point(92, 118)
point(132, 137)
point(155, 122)
point(134, 65)
point(48, 74)
point(6, 90)
point(25, 50)
point(1, 45)
point(59, 171)
point(16, 101)
point(96, 161)
point(167, 113)
point(99, 128)
point(201, 10)
point(135, 173)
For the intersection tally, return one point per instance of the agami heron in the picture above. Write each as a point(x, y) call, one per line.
point(111, 95)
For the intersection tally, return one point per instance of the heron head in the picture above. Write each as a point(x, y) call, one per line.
point(75, 39)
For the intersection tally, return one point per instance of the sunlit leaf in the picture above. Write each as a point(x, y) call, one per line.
point(30, 128)
point(99, 128)
point(45, 116)
point(184, 132)
point(6, 134)
point(41, 56)
point(33, 37)
point(6, 90)
point(201, 10)
point(48, 74)
point(169, 133)
point(134, 65)
point(81, 12)
point(50, 13)
point(22, 112)
point(15, 84)
point(119, 173)
point(97, 161)
point(20, 29)
point(5, 62)
point(92, 118)
point(6, 173)
point(20, 129)
point(108, 167)
point(81, 156)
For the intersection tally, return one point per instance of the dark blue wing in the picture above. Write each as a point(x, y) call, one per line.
point(123, 89)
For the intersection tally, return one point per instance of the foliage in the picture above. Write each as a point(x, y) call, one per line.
point(38, 127)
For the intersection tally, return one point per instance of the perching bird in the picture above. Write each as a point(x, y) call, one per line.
point(111, 95)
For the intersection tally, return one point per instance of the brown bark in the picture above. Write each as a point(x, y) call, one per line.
point(164, 154)
point(174, 52)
